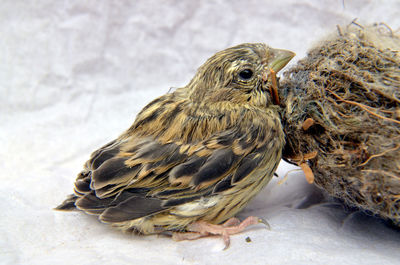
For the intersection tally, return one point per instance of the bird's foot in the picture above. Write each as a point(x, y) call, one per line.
point(230, 227)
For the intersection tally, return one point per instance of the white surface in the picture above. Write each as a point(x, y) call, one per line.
point(73, 75)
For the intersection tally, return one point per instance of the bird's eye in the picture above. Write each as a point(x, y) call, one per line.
point(246, 74)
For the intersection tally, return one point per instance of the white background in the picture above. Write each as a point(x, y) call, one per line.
point(73, 75)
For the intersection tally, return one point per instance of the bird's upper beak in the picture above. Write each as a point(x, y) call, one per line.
point(279, 58)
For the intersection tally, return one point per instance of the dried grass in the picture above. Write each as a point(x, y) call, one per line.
point(343, 101)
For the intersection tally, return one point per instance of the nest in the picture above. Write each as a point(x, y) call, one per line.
point(341, 117)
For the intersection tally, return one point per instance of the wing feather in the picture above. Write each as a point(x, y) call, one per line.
point(137, 176)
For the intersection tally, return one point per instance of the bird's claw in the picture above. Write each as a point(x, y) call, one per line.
point(264, 222)
point(230, 227)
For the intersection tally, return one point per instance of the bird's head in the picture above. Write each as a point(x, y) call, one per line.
point(239, 74)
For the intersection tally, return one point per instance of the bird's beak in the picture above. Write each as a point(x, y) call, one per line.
point(279, 58)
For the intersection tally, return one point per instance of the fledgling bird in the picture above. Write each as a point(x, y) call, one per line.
point(193, 158)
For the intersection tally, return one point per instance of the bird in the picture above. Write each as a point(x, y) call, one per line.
point(193, 158)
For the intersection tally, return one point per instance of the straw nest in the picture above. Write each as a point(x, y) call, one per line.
point(341, 116)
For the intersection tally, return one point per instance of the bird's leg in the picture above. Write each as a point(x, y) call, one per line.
point(231, 222)
point(194, 235)
point(230, 227)
point(179, 236)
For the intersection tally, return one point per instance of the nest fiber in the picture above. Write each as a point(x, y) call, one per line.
point(341, 112)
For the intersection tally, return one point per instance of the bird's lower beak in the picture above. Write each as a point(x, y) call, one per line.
point(279, 58)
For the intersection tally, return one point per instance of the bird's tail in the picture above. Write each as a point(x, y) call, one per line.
point(68, 204)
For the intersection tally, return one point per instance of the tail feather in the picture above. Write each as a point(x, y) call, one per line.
point(68, 204)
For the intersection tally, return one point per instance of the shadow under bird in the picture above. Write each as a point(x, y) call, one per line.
point(195, 157)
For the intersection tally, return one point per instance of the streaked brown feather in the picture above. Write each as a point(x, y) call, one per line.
point(197, 148)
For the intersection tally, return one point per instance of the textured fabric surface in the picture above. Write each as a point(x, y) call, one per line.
point(73, 75)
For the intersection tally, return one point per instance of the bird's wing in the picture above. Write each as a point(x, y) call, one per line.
point(136, 177)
